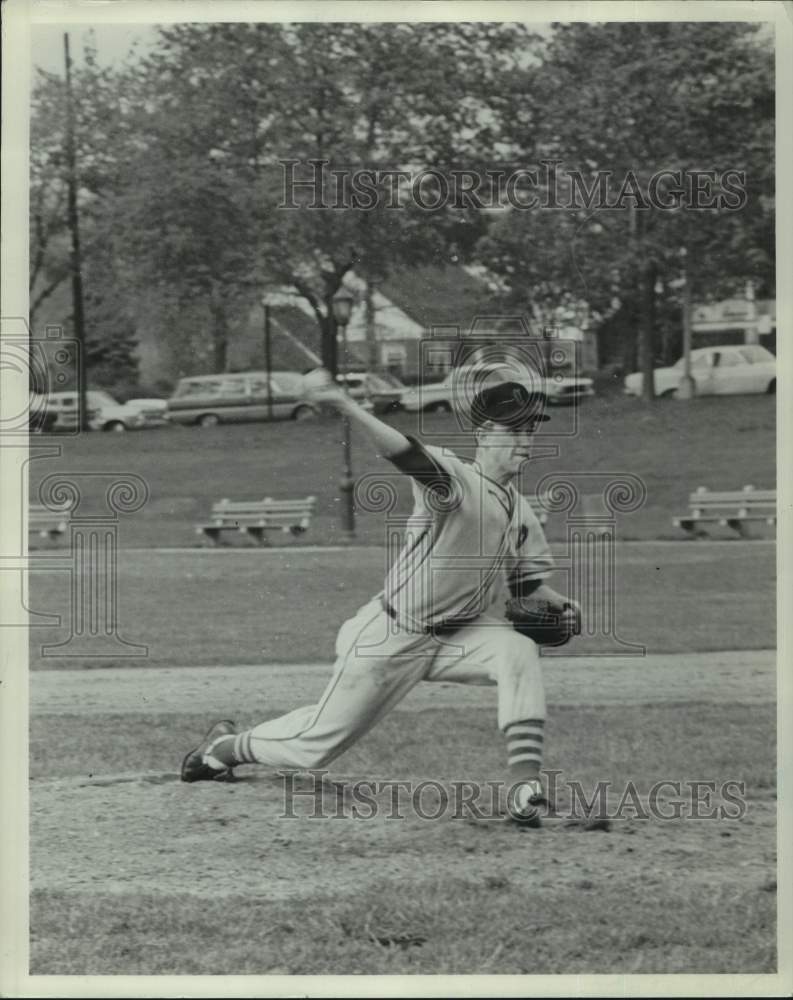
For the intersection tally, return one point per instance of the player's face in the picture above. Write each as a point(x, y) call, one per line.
point(503, 450)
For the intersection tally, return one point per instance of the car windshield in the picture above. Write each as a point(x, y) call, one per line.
point(755, 354)
point(698, 358)
point(97, 398)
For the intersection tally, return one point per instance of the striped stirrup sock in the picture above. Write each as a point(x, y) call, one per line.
point(524, 747)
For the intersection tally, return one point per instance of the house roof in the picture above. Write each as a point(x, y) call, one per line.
point(439, 295)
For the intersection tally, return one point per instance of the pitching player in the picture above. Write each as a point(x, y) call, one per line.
point(472, 540)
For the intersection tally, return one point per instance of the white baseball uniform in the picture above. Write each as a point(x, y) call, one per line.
point(439, 617)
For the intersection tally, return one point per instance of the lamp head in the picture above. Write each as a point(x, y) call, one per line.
point(342, 306)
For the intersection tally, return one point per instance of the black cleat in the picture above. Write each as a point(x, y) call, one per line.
point(526, 804)
point(195, 768)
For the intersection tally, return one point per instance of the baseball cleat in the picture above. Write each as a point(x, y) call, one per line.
point(526, 803)
point(195, 767)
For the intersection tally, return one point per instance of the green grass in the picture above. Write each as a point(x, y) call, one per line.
point(153, 877)
point(608, 743)
point(206, 608)
point(306, 896)
point(455, 927)
point(672, 446)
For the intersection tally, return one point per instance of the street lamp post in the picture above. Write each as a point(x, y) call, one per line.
point(342, 308)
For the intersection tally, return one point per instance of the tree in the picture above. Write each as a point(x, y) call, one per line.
point(349, 97)
point(632, 100)
point(103, 140)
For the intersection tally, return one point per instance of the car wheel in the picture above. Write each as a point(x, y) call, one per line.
point(771, 390)
point(304, 413)
point(116, 426)
point(208, 420)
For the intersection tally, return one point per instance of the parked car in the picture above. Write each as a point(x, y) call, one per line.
point(105, 413)
point(41, 417)
point(207, 400)
point(155, 409)
point(382, 392)
point(731, 370)
point(462, 382)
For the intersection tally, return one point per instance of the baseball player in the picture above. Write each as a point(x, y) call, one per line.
point(471, 542)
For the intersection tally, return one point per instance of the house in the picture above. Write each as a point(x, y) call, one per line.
point(426, 321)
point(423, 320)
point(735, 321)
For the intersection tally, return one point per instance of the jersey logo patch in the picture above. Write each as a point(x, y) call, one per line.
point(523, 534)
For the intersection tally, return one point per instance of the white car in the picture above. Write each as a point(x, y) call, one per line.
point(380, 393)
point(462, 383)
point(732, 370)
point(105, 413)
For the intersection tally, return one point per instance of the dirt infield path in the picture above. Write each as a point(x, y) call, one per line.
point(744, 677)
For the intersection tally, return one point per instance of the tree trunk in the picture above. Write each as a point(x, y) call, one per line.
point(220, 334)
point(330, 354)
point(648, 330)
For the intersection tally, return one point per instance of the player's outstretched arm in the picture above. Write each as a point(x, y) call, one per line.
point(322, 388)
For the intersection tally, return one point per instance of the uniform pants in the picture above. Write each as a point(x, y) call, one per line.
point(377, 665)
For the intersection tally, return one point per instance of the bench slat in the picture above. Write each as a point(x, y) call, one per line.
point(734, 509)
point(254, 518)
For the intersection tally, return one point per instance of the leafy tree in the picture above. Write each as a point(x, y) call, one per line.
point(103, 139)
point(634, 99)
point(371, 96)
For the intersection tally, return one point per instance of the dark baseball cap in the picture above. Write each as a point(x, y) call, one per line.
point(510, 404)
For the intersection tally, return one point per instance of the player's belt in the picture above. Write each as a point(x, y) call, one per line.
point(439, 628)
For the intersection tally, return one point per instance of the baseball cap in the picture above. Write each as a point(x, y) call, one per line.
point(510, 404)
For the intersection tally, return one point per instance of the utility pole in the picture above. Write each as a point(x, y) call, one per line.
point(687, 388)
point(268, 357)
point(74, 228)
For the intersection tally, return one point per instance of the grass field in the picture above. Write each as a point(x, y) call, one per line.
point(134, 872)
point(672, 446)
point(204, 608)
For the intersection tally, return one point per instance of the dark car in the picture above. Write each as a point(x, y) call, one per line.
point(41, 418)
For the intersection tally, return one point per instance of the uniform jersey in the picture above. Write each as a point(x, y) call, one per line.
point(467, 539)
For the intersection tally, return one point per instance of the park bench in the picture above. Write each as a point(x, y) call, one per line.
point(735, 509)
point(255, 518)
point(47, 523)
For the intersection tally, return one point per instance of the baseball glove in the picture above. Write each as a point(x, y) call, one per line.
point(543, 622)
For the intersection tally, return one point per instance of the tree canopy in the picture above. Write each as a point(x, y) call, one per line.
point(184, 158)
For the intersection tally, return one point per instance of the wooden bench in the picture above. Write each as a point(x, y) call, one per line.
point(256, 517)
point(47, 523)
point(734, 509)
